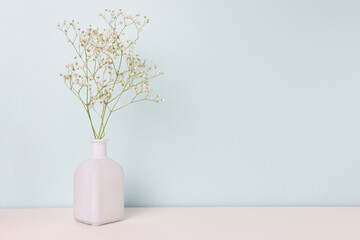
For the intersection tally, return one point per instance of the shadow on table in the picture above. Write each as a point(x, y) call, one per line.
point(132, 212)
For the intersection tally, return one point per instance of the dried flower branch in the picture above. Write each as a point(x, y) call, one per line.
point(106, 68)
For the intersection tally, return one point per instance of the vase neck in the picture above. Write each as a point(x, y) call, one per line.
point(98, 148)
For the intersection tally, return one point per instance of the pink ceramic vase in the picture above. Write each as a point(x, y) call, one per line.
point(98, 188)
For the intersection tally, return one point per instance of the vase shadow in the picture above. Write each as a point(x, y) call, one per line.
point(131, 212)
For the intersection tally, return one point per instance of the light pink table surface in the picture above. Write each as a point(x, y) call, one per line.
point(241, 223)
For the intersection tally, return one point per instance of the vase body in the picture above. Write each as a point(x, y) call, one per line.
point(98, 188)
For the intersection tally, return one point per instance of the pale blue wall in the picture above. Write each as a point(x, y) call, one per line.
point(262, 105)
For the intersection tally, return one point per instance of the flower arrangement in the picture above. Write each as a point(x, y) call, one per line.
point(106, 69)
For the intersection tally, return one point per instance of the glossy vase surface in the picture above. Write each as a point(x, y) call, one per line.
point(98, 188)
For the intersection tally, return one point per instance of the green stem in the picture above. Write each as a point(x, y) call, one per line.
point(102, 120)
point(92, 125)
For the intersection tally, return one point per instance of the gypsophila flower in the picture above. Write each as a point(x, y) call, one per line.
point(107, 61)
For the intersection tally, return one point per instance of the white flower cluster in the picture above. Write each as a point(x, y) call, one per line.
point(106, 66)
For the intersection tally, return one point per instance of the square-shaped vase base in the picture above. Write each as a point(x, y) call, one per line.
point(100, 222)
